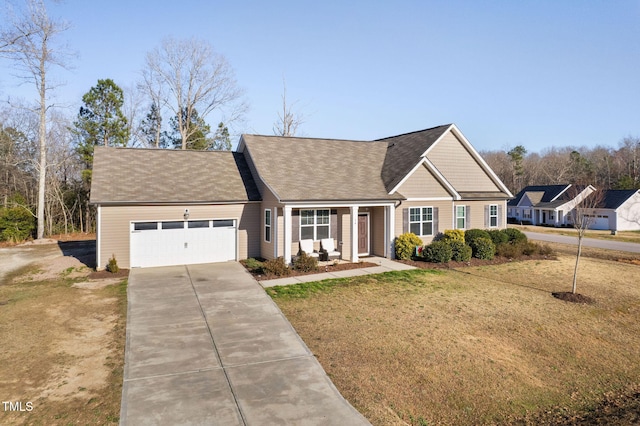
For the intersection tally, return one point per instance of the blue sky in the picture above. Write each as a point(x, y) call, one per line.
point(536, 73)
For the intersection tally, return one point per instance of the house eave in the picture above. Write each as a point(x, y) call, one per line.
point(171, 203)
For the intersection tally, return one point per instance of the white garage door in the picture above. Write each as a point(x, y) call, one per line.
point(182, 242)
point(601, 222)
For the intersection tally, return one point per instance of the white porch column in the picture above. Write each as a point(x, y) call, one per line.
point(287, 234)
point(354, 233)
point(390, 231)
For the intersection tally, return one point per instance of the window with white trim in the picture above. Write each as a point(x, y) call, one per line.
point(421, 221)
point(314, 224)
point(493, 215)
point(267, 225)
point(461, 217)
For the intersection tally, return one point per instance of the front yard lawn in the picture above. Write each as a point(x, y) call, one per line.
point(478, 345)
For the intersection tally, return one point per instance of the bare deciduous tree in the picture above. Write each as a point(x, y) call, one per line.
point(196, 78)
point(288, 121)
point(29, 43)
point(583, 216)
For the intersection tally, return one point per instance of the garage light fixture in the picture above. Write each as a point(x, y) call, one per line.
point(186, 214)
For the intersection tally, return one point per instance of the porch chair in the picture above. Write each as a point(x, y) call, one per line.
point(306, 246)
point(328, 245)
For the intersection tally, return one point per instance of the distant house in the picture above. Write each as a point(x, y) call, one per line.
point(619, 210)
point(546, 204)
point(276, 194)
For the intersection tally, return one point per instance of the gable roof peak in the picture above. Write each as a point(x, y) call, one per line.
point(442, 127)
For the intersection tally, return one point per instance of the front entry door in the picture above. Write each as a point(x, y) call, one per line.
point(363, 234)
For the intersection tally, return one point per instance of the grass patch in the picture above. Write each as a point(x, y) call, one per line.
point(305, 290)
point(479, 345)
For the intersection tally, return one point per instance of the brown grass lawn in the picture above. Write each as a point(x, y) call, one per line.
point(479, 345)
point(62, 346)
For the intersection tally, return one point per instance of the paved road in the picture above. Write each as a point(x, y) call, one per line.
point(207, 346)
point(588, 242)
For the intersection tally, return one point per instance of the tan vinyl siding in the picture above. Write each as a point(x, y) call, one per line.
point(477, 220)
point(377, 231)
point(269, 201)
point(344, 231)
point(115, 226)
point(457, 165)
point(422, 184)
point(445, 216)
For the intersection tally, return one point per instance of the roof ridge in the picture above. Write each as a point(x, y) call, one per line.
point(415, 131)
point(309, 138)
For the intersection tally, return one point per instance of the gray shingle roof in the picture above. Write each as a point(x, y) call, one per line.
point(308, 169)
point(127, 175)
point(405, 151)
point(550, 192)
point(614, 198)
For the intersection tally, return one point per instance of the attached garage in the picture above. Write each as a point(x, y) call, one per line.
point(182, 242)
point(161, 207)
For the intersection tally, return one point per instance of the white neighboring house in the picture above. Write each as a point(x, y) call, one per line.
point(547, 204)
point(619, 210)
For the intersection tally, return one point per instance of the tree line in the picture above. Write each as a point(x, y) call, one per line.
point(601, 166)
point(46, 154)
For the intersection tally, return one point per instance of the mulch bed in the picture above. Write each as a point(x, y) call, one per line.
point(328, 268)
point(96, 275)
point(567, 296)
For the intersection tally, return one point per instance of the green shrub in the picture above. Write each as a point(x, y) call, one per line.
point(437, 252)
point(454, 235)
point(460, 252)
point(515, 235)
point(473, 234)
point(16, 224)
point(112, 266)
point(276, 267)
point(406, 245)
point(498, 236)
point(305, 263)
point(483, 248)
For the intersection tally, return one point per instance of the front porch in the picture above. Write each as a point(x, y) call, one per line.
point(358, 230)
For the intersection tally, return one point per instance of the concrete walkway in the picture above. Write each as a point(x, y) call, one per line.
point(384, 265)
point(207, 346)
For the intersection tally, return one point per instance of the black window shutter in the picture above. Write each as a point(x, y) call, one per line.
point(405, 220)
point(487, 220)
point(435, 221)
point(467, 218)
point(295, 225)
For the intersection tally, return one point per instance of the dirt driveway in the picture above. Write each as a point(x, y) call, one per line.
point(62, 334)
point(51, 255)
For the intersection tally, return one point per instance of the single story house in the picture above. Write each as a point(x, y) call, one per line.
point(165, 207)
point(617, 210)
point(547, 204)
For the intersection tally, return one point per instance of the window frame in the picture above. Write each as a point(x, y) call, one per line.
point(314, 223)
point(493, 215)
point(267, 225)
point(423, 212)
point(463, 217)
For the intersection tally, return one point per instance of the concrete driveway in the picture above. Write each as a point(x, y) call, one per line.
point(207, 346)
